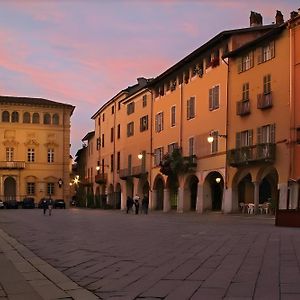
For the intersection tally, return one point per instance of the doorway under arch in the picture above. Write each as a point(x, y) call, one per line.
point(190, 193)
point(213, 188)
point(172, 185)
point(245, 189)
point(118, 196)
point(10, 189)
point(158, 187)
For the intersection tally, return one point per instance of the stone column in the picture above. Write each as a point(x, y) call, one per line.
point(256, 196)
point(227, 205)
point(180, 200)
point(283, 191)
point(152, 199)
point(199, 204)
point(167, 206)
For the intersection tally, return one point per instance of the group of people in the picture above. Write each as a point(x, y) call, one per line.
point(133, 204)
point(47, 204)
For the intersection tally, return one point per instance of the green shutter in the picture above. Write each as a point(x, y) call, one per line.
point(238, 140)
point(259, 135)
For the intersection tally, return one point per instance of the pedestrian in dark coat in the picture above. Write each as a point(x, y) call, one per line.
point(44, 205)
point(145, 204)
point(129, 204)
point(136, 200)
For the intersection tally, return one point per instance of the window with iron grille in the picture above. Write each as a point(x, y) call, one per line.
point(159, 122)
point(30, 155)
point(30, 188)
point(214, 97)
point(173, 116)
point(130, 129)
point(50, 156)
point(9, 154)
point(158, 155)
point(50, 188)
point(130, 108)
point(191, 108)
point(144, 123)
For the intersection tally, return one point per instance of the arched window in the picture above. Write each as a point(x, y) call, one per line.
point(15, 117)
point(36, 118)
point(47, 119)
point(26, 117)
point(55, 119)
point(5, 116)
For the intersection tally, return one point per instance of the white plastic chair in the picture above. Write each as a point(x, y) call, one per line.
point(250, 208)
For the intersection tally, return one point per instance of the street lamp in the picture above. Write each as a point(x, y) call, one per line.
point(218, 180)
point(212, 135)
point(60, 182)
point(141, 155)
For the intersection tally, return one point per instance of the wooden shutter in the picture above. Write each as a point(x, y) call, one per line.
point(216, 97)
point(250, 137)
point(259, 135)
point(259, 55)
point(188, 110)
point(211, 99)
point(238, 140)
point(240, 65)
point(272, 49)
point(272, 133)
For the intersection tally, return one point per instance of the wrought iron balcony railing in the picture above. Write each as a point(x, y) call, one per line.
point(125, 173)
point(138, 171)
point(12, 164)
point(243, 107)
point(101, 178)
point(264, 100)
point(252, 154)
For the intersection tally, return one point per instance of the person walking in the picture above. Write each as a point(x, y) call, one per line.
point(50, 206)
point(145, 204)
point(44, 205)
point(129, 204)
point(136, 200)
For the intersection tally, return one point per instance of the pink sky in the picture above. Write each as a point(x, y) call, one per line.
point(83, 52)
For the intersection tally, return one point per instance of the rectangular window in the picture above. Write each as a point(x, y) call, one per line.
point(244, 138)
point(98, 144)
point(103, 117)
point(144, 123)
point(112, 134)
point(130, 129)
point(9, 154)
point(245, 96)
point(30, 188)
point(158, 155)
point(173, 116)
point(171, 147)
point(266, 52)
point(191, 146)
point(50, 155)
point(267, 84)
point(50, 188)
point(266, 134)
point(159, 122)
point(112, 163)
point(130, 108)
point(246, 62)
point(144, 100)
point(119, 131)
point(191, 108)
point(102, 165)
point(118, 160)
point(112, 109)
point(30, 155)
point(119, 105)
point(214, 101)
point(102, 140)
point(298, 135)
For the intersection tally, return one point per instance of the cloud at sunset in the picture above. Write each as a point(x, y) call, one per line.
point(85, 52)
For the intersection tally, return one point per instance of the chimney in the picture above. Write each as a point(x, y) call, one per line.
point(294, 14)
point(255, 19)
point(142, 81)
point(279, 17)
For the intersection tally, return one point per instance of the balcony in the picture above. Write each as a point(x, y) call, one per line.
point(261, 153)
point(243, 108)
point(86, 181)
point(12, 164)
point(101, 178)
point(264, 101)
point(125, 173)
point(139, 171)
